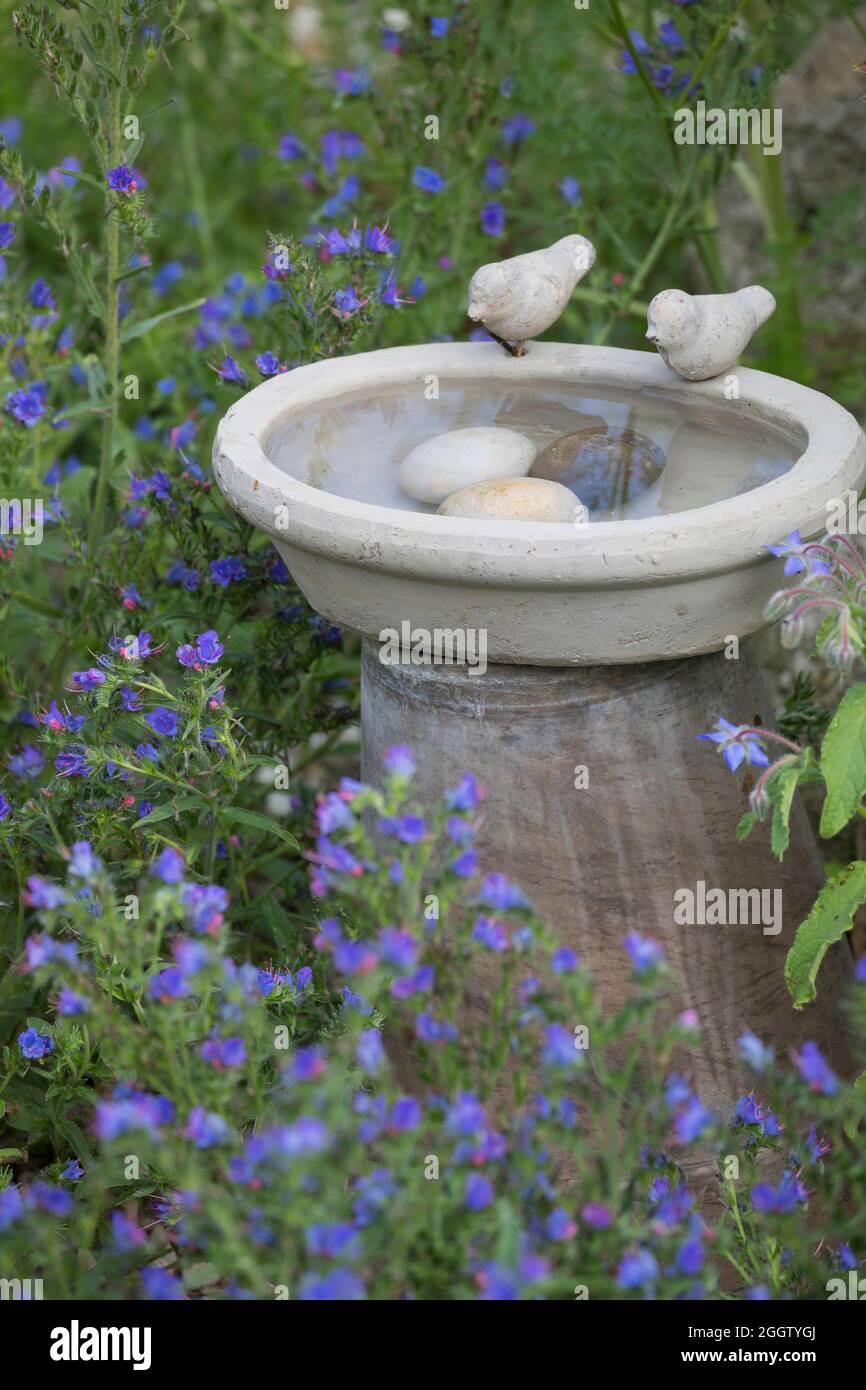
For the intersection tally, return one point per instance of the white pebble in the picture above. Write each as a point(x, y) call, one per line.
point(441, 465)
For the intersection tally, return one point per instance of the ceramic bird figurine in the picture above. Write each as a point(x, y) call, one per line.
point(521, 297)
point(700, 336)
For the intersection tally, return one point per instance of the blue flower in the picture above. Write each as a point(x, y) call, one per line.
point(637, 1270)
point(35, 1045)
point(163, 721)
point(571, 191)
point(439, 27)
point(737, 743)
point(477, 1192)
point(399, 761)
point(493, 219)
point(427, 179)
point(645, 953)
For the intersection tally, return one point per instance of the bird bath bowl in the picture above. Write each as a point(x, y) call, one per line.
point(604, 637)
point(312, 457)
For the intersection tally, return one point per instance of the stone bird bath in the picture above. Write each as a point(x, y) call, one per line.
point(608, 641)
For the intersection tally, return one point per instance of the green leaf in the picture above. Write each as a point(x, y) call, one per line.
point(784, 785)
point(830, 918)
point(138, 330)
point(260, 822)
point(843, 761)
point(746, 825)
point(854, 1108)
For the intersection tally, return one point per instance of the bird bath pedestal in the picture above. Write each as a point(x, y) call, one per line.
point(608, 644)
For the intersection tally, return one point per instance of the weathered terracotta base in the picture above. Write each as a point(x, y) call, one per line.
point(658, 815)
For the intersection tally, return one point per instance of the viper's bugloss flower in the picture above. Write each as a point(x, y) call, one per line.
point(499, 893)
point(72, 762)
point(73, 1171)
point(338, 1286)
point(131, 598)
point(398, 948)
point(131, 1110)
point(28, 404)
point(168, 866)
point(41, 295)
point(815, 1070)
point(7, 235)
point(70, 1003)
point(389, 294)
point(207, 651)
point(231, 371)
point(439, 26)
point(56, 1201)
point(268, 364)
point(130, 699)
point(405, 1114)
point(338, 243)
point(160, 1285)
point(27, 762)
point(291, 147)
point(784, 1198)
point(205, 906)
point(493, 219)
point(83, 681)
point(637, 1270)
point(477, 1192)
point(559, 1049)
point(180, 573)
point(517, 129)
point(754, 1053)
point(227, 571)
point(491, 934)
point(418, 982)
point(597, 1216)
point(379, 241)
point(35, 1045)
point(163, 721)
point(134, 648)
point(43, 894)
point(11, 1207)
point(427, 179)
point(399, 761)
point(692, 1120)
point(352, 81)
point(83, 863)
point(409, 830)
point(369, 1052)
point(122, 179)
point(169, 983)
point(571, 191)
point(125, 1234)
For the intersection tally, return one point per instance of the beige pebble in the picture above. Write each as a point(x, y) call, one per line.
point(513, 499)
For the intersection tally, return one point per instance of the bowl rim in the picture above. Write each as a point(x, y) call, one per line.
point(711, 539)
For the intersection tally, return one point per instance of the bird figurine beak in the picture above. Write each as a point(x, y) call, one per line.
point(652, 335)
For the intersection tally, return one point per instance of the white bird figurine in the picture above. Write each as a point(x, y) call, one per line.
point(519, 298)
point(702, 335)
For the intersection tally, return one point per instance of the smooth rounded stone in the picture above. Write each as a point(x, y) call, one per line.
point(447, 462)
point(513, 499)
point(608, 467)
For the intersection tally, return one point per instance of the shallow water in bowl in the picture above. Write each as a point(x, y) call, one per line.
point(354, 447)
